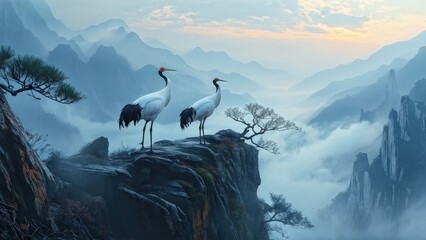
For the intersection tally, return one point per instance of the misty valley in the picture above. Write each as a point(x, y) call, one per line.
point(113, 131)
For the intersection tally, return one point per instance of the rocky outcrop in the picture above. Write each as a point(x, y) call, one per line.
point(24, 179)
point(391, 101)
point(359, 202)
point(394, 180)
point(182, 191)
point(392, 97)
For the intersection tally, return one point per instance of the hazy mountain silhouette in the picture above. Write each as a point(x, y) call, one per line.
point(140, 54)
point(107, 81)
point(403, 49)
point(32, 20)
point(219, 60)
point(237, 82)
point(413, 71)
point(345, 86)
point(14, 33)
point(98, 31)
point(348, 109)
point(52, 22)
point(111, 38)
point(155, 43)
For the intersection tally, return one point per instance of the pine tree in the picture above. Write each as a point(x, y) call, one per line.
point(32, 75)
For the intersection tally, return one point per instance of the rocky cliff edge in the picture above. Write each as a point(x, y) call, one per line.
point(182, 191)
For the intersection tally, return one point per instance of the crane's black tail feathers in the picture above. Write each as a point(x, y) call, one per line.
point(187, 117)
point(129, 113)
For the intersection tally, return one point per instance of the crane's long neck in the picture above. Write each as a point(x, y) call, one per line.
point(166, 92)
point(164, 77)
point(218, 95)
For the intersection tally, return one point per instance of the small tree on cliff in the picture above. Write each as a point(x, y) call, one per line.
point(32, 75)
point(282, 212)
point(258, 120)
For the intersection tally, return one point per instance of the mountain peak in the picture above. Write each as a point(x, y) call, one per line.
point(120, 31)
point(197, 50)
point(133, 39)
point(105, 51)
point(63, 49)
point(133, 36)
point(361, 163)
point(79, 38)
point(98, 31)
point(112, 23)
point(116, 21)
point(219, 53)
point(106, 56)
point(64, 57)
point(254, 64)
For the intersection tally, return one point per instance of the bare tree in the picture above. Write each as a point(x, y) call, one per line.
point(281, 211)
point(32, 75)
point(39, 143)
point(258, 120)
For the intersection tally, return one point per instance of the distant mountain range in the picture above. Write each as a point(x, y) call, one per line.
point(109, 63)
point(348, 108)
point(155, 43)
point(221, 61)
point(14, 32)
point(384, 56)
point(336, 89)
point(110, 55)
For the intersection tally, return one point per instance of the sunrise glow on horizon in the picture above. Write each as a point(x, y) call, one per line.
point(291, 34)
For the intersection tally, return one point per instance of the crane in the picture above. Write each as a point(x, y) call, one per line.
point(201, 110)
point(147, 107)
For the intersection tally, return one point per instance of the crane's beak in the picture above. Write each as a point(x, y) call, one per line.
point(166, 69)
point(221, 80)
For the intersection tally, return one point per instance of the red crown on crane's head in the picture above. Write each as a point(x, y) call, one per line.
point(162, 69)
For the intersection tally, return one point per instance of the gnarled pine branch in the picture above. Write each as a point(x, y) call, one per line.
point(257, 121)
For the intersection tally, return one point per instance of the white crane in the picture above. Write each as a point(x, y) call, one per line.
point(147, 107)
point(201, 110)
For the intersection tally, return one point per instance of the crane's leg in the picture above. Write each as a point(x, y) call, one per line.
point(150, 135)
point(143, 134)
point(199, 130)
point(202, 127)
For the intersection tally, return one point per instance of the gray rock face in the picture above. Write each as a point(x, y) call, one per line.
point(97, 148)
point(395, 179)
point(23, 177)
point(359, 190)
point(182, 191)
point(392, 97)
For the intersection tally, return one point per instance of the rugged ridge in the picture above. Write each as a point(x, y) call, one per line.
point(394, 180)
point(183, 191)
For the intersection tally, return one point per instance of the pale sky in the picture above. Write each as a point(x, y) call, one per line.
point(300, 36)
